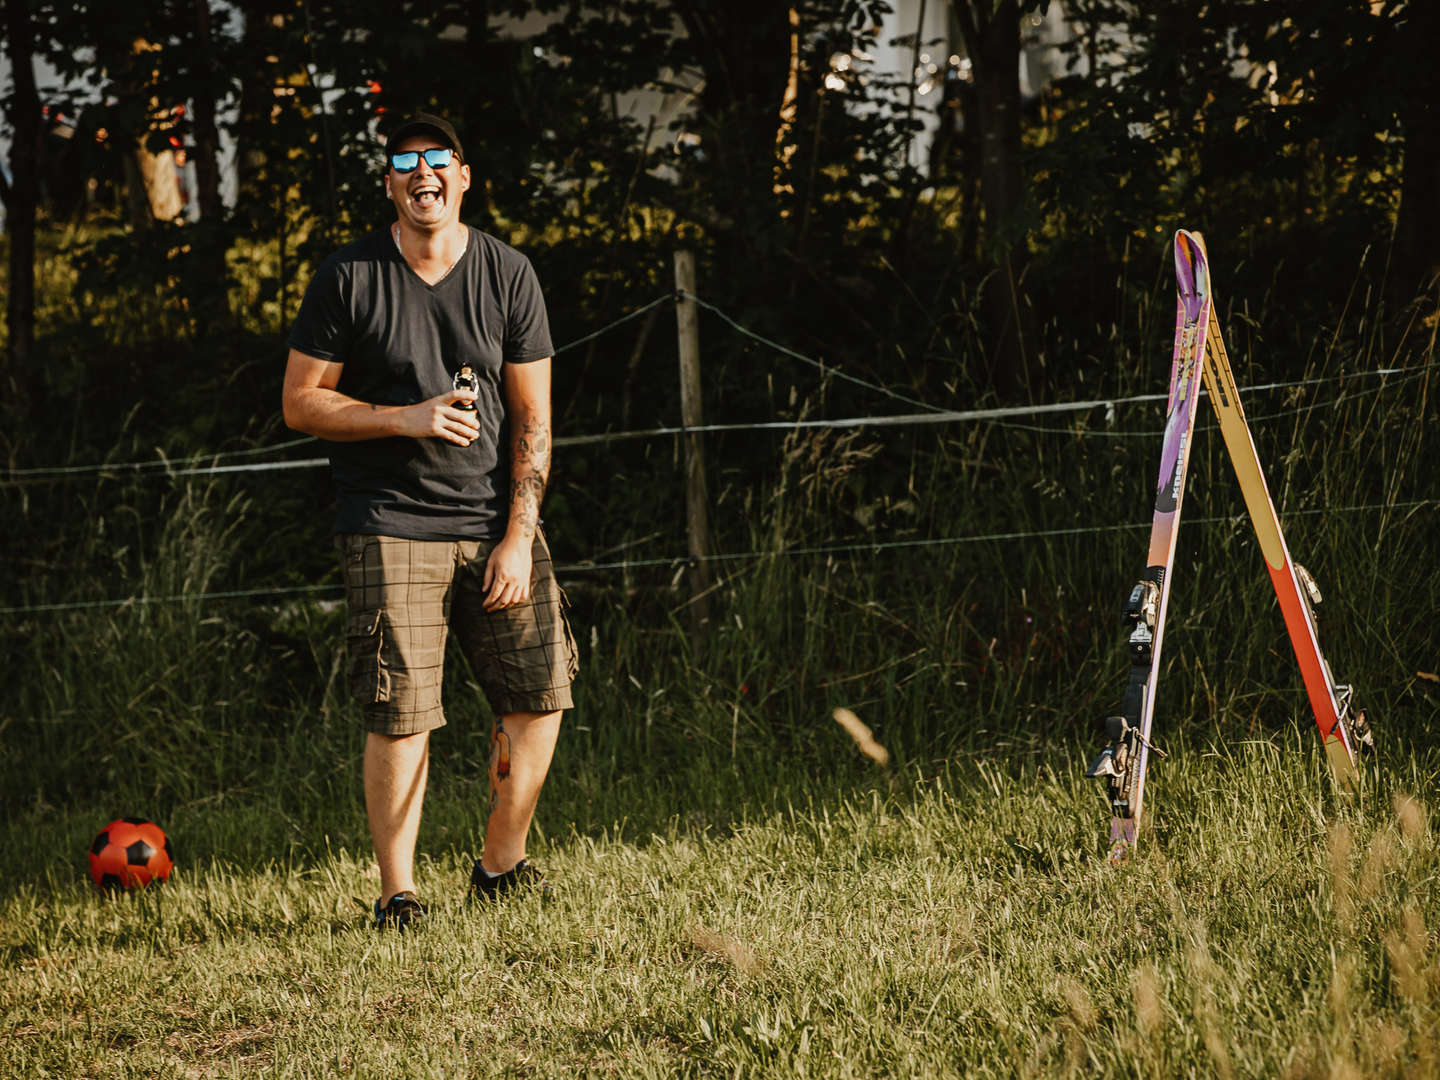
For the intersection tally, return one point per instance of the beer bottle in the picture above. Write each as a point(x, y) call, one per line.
point(465, 379)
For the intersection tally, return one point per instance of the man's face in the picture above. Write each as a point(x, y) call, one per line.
point(427, 199)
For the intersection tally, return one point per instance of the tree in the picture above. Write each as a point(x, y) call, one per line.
point(154, 186)
point(21, 201)
point(205, 91)
point(1416, 262)
point(744, 50)
point(992, 38)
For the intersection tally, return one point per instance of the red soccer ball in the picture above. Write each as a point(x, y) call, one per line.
point(129, 853)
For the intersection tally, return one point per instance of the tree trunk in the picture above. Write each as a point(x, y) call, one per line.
point(257, 96)
point(20, 381)
point(210, 301)
point(158, 181)
point(992, 36)
point(789, 109)
point(154, 186)
point(207, 137)
point(1415, 262)
point(744, 48)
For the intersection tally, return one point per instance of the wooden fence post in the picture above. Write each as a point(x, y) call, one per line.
point(697, 501)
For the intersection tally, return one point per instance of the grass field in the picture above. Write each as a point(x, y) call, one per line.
point(948, 919)
point(741, 891)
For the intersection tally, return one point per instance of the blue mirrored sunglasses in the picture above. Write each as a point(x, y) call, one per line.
point(437, 158)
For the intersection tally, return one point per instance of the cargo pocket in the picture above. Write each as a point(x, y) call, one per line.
point(367, 631)
point(369, 672)
point(572, 665)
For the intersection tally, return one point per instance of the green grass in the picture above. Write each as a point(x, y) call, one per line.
point(742, 893)
point(765, 920)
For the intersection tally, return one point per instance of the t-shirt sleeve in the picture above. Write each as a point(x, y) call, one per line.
point(322, 329)
point(527, 330)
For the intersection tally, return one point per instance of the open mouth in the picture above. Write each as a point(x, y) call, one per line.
point(427, 197)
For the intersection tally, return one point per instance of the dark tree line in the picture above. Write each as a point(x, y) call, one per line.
point(1290, 125)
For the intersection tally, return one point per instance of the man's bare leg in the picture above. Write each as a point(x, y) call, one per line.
point(528, 739)
point(395, 770)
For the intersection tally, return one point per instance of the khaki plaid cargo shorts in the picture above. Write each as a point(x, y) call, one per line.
point(404, 597)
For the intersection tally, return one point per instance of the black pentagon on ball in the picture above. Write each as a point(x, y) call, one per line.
point(111, 883)
point(138, 853)
point(136, 820)
point(101, 839)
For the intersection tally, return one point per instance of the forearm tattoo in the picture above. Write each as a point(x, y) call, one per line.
point(529, 471)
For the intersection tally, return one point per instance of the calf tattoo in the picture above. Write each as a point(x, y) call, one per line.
point(499, 760)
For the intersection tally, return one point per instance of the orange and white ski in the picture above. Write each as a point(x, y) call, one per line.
point(1343, 733)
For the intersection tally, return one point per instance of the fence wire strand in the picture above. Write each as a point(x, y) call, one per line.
point(205, 464)
point(676, 561)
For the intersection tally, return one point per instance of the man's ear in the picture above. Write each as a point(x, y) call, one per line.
point(465, 177)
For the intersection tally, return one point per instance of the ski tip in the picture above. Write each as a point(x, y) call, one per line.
point(1192, 279)
point(1189, 249)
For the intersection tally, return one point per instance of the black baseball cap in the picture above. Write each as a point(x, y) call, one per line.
point(424, 124)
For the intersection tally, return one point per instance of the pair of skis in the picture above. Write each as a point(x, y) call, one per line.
point(1199, 354)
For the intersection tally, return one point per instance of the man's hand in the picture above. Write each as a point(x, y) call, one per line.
point(507, 573)
point(313, 405)
point(438, 418)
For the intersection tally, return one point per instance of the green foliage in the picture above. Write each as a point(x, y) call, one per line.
point(1279, 127)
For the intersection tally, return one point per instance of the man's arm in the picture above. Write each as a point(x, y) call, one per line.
point(527, 401)
point(312, 404)
point(527, 405)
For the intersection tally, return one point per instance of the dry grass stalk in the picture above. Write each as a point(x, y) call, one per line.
point(727, 949)
point(1342, 844)
point(1077, 1000)
point(1342, 978)
point(1411, 816)
point(1385, 1044)
point(1149, 1011)
point(1379, 858)
point(1203, 972)
point(1406, 951)
point(864, 738)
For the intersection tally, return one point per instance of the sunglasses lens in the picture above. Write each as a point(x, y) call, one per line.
point(437, 158)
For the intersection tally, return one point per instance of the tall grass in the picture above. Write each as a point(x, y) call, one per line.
point(745, 893)
point(951, 642)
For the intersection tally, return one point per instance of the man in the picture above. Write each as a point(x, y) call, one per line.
point(438, 499)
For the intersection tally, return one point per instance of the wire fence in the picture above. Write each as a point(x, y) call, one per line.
point(207, 464)
point(862, 547)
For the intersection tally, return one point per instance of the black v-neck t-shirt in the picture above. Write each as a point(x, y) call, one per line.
point(402, 341)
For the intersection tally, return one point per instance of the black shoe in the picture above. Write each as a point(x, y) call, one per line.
point(520, 876)
point(403, 912)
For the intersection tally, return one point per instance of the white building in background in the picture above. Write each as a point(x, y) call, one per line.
point(918, 39)
point(942, 47)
